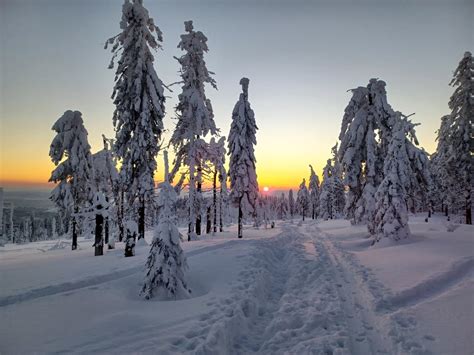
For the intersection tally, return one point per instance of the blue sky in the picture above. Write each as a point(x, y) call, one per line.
point(301, 58)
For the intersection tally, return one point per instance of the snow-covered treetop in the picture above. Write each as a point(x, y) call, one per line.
point(138, 97)
point(461, 102)
point(70, 152)
point(242, 138)
point(194, 110)
point(71, 138)
point(105, 172)
point(216, 153)
point(313, 181)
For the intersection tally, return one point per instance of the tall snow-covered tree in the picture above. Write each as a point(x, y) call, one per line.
point(391, 214)
point(314, 192)
point(291, 203)
point(337, 185)
point(303, 199)
point(365, 136)
point(326, 197)
point(195, 118)
point(461, 152)
point(441, 193)
point(282, 207)
point(139, 105)
point(70, 152)
point(166, 262)
point(242, 172)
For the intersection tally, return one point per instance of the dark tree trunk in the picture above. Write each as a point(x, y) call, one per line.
point(303, 214)
point(141, 219)
point(120, 216)
point(74, 234)
point(240, 219)
point(446, 211)
point(106, 231)
point(214, 187)
point(198, 192)
point(208, 220)
point(130, 245)
point(189, 231)
point(99, 241)
point(221, 218)
point(468, 210)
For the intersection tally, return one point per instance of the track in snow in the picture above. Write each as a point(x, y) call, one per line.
point(299, 296)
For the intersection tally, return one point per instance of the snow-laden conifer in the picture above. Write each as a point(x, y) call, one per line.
point(338, 192)
point(365, 136)
point(195, 118)
point(241, 142)
point(70, 152)
point(461, 152)
point(166, 263)
point(391, 214)
point(326, 198)
point(282, 207)
point(303, 199)
point(291, 203)
point(313, 188)
point(139, 104)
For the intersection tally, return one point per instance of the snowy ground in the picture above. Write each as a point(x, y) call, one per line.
point(310, 288)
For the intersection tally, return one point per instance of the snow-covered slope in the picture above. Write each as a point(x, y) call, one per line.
point(309, 288)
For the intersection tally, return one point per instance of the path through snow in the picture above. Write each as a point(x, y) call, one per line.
point(297, 292)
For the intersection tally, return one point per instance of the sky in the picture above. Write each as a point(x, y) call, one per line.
point(301, 57)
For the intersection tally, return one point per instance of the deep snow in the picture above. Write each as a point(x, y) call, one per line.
point(313, 287)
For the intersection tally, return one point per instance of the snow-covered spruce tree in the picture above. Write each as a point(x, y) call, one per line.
point(391, 217)
point(70, 152)
point(282, 207)
point(166, 262)
point(303, 199)
point(365, 136)
point(195, 116)
point(326, 198)
point(291, 203)
point(338, 192)
point(242, 173)
point(359, 152)
point(314, 192)
point(441, 193)
point(461, 141)
point(139, 105)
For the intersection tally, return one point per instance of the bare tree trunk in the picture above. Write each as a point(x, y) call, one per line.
point(198, 191)
point(468, 209)
point(191, 194)
point(120, 216)
point(221, 217)
point(240, 219)
point(99, 241)
point(214, 189)
point(141, 218)
point(74, 233)
point(208, 220)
